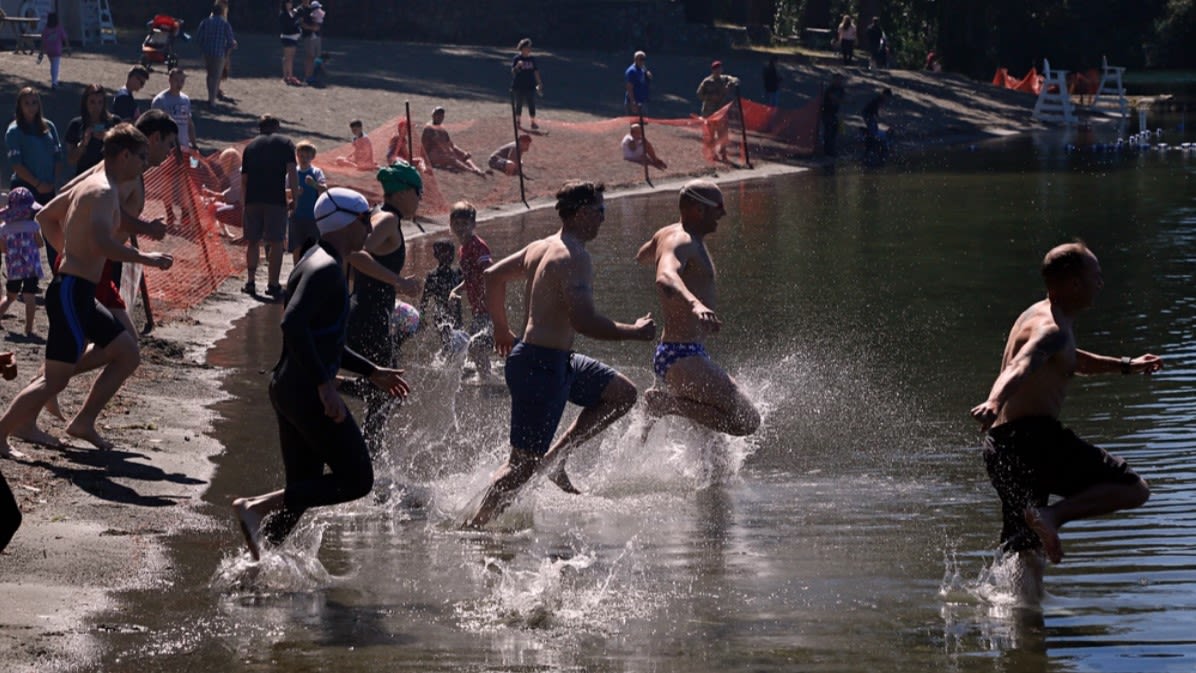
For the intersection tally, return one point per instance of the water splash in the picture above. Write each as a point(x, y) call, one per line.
point(291, 567)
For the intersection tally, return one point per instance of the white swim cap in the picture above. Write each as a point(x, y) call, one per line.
point(338, 207)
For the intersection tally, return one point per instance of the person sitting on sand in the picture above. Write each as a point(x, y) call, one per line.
point(362, 157)
point(638, 150)
point(688, 382)
point(75, 317)
point(315, 427)
point(441, 151)
point(397, 148)
point(509, 157)
point(225, 203)
point(1028, 453)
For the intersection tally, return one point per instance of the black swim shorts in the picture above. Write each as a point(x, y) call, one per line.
point(541, 380)
point(1030, 458)
point(76, 318)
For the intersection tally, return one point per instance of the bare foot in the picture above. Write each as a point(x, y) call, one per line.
point(251, 525)
point(51, 406)
point(35, 435)
point(89, 435)
point(558, 477)
point(1046, 532)
point(7, 451)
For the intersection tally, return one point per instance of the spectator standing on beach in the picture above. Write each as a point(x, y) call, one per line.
point(637, 82)
point(716, 89)
point(509, 157)
point(177, 104)
point(85, 134)
point(267, 172)
point(832, 100)
point(846, 38)
point(215, 38)
point(543, 372)
point(441, 151)
point(302, 227)
point(21, 241)
point(871, 112)
point(772, 83)
point(637, 149)
point(877, 44)
point(315, 429)
point(475, 259)
point(35, 153)
point(54, 42)
point(377, 276)
point(525, 82)
point(124, 105)
point(309, 39)
point(288, 33)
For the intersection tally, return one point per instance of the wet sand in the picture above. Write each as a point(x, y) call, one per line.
point(97, 522)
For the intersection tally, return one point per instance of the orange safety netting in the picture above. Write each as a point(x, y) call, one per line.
point(201, 259)
point(1083, 83)
point(1031, 83)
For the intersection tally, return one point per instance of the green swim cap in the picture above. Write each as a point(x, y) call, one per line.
point(400, 176)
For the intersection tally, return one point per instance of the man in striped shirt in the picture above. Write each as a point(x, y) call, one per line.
point(215, 38)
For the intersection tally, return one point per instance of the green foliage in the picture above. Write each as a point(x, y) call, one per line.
point(977, 36)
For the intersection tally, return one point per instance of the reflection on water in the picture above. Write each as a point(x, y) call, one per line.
point(865, 312)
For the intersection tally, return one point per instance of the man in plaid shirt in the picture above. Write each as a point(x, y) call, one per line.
point(215, 38)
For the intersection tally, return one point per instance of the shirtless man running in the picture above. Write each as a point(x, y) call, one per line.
point(161, 133)
point(543, 372)
point(1029, 454)
point(74, 315)
point(688, 382)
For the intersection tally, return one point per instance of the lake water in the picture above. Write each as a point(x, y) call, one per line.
point(865, 311)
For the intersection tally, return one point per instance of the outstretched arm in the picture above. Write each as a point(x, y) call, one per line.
point(1091, 363)
point(577, 283)
point(1045, 343)
point(670, 283)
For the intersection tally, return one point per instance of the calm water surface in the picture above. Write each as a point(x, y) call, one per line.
point(866, 313)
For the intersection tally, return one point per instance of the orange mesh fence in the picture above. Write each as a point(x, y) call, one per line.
point(1031, 83)
point(571, 149)
point(1083, 83)
point(201, 259)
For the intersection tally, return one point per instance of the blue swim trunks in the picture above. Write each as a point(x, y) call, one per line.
point(541, 380)
point(668, 353)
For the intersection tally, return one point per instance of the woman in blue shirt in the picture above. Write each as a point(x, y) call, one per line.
point(35, 152)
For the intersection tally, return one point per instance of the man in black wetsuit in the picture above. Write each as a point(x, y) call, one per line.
point(315, 427)
point(376, 277)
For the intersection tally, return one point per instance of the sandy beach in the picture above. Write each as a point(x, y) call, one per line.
point(96, 522)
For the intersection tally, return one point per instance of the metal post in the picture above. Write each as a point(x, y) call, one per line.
point(518, 152)
point(644, 139)
point(743, 128)
point(410, 136)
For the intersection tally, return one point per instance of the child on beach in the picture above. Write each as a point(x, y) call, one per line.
point(363, 150)
point(397, 148)
point(226, 203)
point(475, 259)
point(21, 241)
point(54, 42)
point(302, 226)
point(437, 305)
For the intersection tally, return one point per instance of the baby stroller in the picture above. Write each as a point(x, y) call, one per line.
point(158, 46)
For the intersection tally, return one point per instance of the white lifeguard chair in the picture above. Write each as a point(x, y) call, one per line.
point(1054, 103)
point(1110, 86)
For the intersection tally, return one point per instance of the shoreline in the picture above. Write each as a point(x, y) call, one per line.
point(79, 547)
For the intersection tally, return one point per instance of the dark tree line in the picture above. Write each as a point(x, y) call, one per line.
point(976, 36)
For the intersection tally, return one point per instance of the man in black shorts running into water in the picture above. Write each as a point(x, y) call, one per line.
point(314, 426)
point(543, 372)
point(1029, 454)
point(75, 316)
